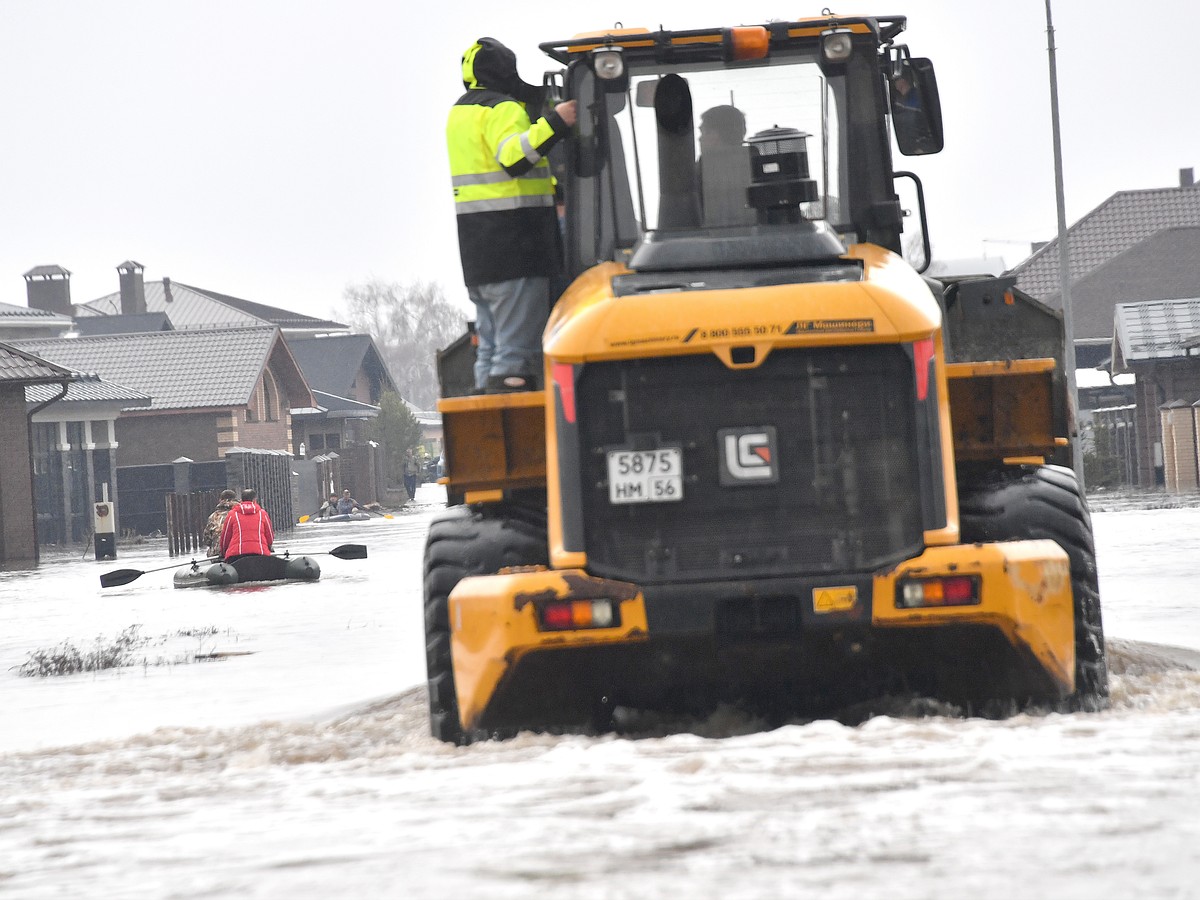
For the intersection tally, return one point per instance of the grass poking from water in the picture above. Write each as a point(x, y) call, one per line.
point(127, 649)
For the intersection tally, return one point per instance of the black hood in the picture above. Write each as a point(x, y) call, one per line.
point(489, 64)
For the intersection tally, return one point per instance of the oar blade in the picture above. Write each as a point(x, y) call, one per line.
point(304, 519)
point(119, 577)
point(350, 551)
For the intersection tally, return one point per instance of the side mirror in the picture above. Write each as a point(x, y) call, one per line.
point(916, 107)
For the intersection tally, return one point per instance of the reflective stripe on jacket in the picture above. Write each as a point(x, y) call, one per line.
point(247, 530)
point(503, 187)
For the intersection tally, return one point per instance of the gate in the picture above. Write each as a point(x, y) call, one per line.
point(187, 514)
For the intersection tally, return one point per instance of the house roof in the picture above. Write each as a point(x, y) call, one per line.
point(285, 319)
point(1124, 219)
point(24, 367)
point(22, 317)
point(188, 369)
point(1164, 266)
point(331, 362)
point(192, 307)
point(122, 324)
point(1159, 329)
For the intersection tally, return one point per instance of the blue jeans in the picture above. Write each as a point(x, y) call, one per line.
point(509, 319)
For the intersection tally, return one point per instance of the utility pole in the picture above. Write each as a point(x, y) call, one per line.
point(1064, 260)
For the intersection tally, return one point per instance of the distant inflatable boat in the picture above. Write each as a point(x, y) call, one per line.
point(343, 517)
point(248, 569)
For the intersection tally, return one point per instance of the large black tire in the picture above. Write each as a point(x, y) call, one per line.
point(463, 541)
point(1033, 502)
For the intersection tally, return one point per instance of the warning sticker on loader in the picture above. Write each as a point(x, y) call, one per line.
point(834, 599)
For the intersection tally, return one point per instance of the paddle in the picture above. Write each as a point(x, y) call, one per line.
point(119, 577)
point(345, 551)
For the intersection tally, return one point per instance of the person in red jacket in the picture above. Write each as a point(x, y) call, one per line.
point(247, 530)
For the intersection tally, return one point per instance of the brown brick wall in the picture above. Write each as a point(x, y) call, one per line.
point(275, 435)
point(17, 535)
point(148, 440)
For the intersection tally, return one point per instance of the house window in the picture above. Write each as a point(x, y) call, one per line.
point(270, 397)
point(316, 443)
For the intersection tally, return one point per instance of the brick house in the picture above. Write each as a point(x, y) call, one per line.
point(20, 372)
point(210, 389)
point(1136, 247)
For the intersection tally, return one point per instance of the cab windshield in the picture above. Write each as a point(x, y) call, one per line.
point(709, 147)
point(696, 131)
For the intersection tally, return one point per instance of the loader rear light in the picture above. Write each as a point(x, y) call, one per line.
point(568, 615)
point(951, 590)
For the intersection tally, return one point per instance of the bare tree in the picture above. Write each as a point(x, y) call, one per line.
point(410, 323)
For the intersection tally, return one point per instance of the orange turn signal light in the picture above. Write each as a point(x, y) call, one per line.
point(568, 615)
point(949, 590)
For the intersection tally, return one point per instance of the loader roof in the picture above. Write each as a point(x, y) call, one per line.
point(668, 43)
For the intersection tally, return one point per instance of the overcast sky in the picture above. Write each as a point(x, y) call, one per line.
point(278, 151)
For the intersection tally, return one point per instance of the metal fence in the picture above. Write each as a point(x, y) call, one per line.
point(187, 514)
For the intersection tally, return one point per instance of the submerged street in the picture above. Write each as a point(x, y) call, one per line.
point(297, 762)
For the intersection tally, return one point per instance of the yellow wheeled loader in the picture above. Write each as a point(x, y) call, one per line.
point(772, 465)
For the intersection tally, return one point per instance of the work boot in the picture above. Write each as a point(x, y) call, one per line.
point(510, 384)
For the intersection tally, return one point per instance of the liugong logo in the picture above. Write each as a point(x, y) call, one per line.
point(748, 455)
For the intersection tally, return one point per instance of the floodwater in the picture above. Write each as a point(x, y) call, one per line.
point(299, 765)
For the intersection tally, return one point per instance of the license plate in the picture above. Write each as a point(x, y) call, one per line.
point(645, 476)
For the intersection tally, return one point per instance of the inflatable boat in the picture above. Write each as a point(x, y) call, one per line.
point(248, 569)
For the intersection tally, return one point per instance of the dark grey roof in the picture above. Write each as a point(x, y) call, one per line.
point(1124, 219)
point(193, 307)
point(89, 326)
point(1159, 329)
point(331, 362)
point(45, 271)
point(23, 366)
point(178, 369)
point(89, 390)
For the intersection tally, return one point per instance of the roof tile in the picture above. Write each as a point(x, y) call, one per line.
point(178, 369)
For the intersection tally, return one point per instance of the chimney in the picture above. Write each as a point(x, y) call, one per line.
point(133, 290)
point(167, 296)
point(1186, 178)
point(49, 288)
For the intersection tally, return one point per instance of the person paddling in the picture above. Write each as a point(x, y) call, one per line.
point(347, 504)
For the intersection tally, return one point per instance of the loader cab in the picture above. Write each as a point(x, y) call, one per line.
point(747, 148)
